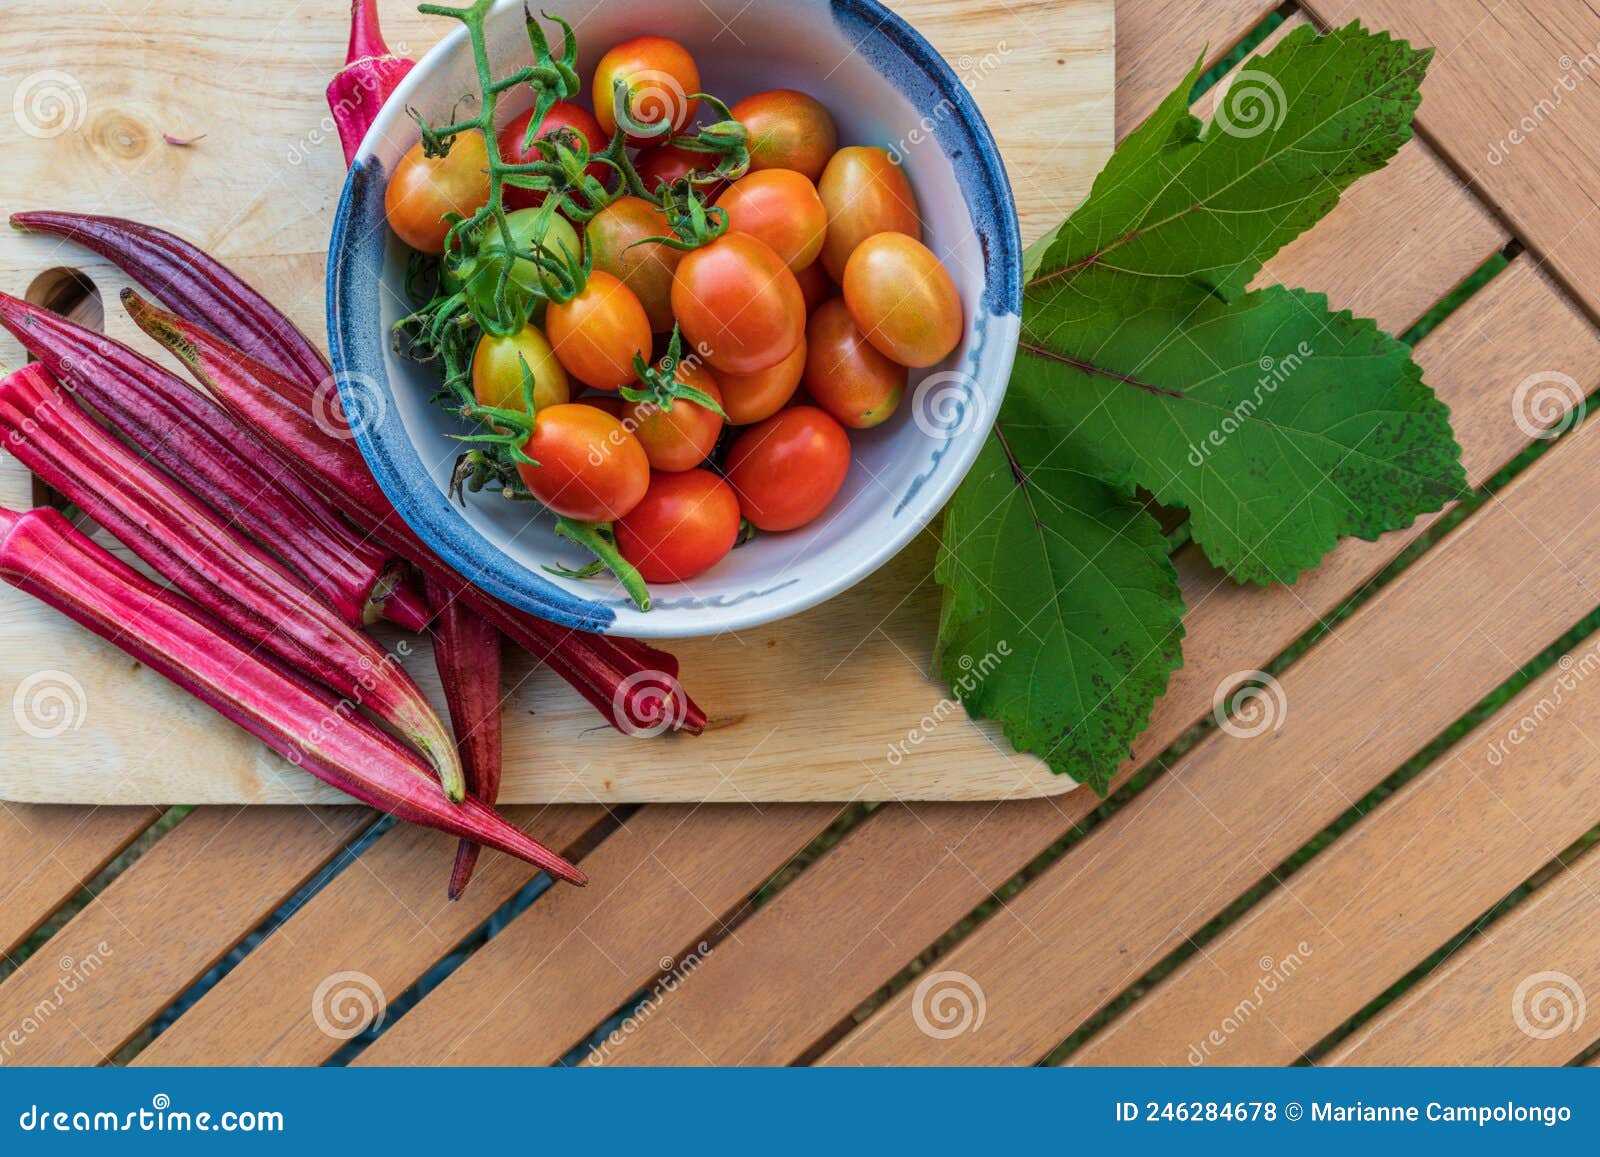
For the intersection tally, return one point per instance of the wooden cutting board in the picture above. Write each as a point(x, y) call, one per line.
point(833, 705)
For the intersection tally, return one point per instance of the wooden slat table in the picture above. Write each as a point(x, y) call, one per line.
point(1188, 920)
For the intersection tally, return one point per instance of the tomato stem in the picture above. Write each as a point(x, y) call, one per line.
point(597, 538)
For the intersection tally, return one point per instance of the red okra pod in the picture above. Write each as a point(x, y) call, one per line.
point(605, 670)
point(467, 651)
point(199, 288)
point(196, 440)
point(370, 74)
point(41, 554)
point(195, 285)
point(205, 557)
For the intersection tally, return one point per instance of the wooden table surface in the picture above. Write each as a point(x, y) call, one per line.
point(1240, 900)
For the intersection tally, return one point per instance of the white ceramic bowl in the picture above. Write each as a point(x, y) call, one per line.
point(886, 86)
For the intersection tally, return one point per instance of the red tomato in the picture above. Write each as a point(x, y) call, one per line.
point(786, 470)
point(684, 436)
point(423, 189)
point(514, 149)
point(751, 398)
point(590, 468)
point(669, 163)
point(686, 524)
point(662, 78)
point(903, 299)
point(815, 285)
point(782, 208)
point(788, 130)
point(738, 303)
point(597, 333)
point(646, 269)
point(845, 374)
point(497, 371)
point(865, 193)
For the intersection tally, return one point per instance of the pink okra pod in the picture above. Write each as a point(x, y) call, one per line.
point(43, 555)
point(202, 554)
point(196, 440)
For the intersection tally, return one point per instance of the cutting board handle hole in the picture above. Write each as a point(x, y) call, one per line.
point(71, 293)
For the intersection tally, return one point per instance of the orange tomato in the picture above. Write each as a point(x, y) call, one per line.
point(781, 207)
point(788, 130)
point(845, 374)
point(682, 437)
point(738, 303)
point(598, 333)
point(423, 189)
point(815, 285)
point(865, 193)
point(748, 398)
point(903, 299)
point(662, 79)
point(613, 235)
point(590, 467)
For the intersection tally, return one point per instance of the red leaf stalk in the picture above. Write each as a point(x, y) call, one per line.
point(371, 73)
point(467, 651)
point(217, 567)
point(196, 440)
point(42, 554)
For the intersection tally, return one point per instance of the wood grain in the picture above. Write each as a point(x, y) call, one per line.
point(802, 710)
point(907, 875)
point(1511, 97)
point(158, 927)
point(535, 990)
point(1450, 629)
point(1428, 863)
point(384, 918)
point(48, 853)
point(1467, 1012)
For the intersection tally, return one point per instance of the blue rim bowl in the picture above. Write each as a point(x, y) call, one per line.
point(886, 86)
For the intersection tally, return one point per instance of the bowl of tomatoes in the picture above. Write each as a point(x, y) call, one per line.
point(669, 319)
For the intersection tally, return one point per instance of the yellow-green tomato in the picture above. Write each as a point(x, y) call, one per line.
point(497, 371)
point(864, 192)
point(903, 299)
point(555, 236)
